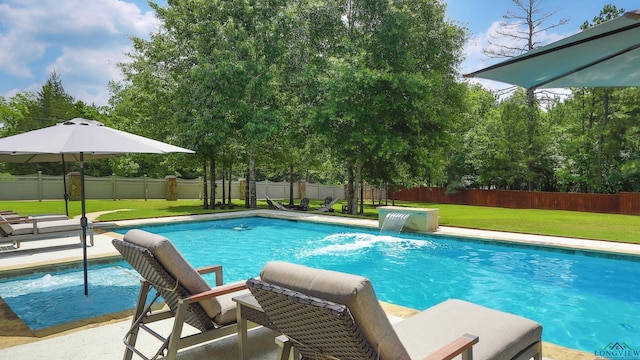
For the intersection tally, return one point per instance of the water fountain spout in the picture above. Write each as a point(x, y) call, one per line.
point(394, 222)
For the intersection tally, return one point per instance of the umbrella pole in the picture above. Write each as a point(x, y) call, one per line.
point(64, 182)
point(83, 223)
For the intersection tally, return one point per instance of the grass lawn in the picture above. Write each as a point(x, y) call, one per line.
point(610, 227)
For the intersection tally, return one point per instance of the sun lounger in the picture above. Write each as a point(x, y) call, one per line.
point(38, 217)
point(328, 204)
point(275, 205)
point(189, 298)
point(18, 228)
point(304, 205)
point(331, 315)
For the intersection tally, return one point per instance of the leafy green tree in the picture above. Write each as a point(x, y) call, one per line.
point(386, 87)
point(213, 70)
point(462, 167)
point(53, 105)
point(14, 112)
point(522, 27)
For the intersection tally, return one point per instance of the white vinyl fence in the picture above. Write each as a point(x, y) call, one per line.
point(44, 187)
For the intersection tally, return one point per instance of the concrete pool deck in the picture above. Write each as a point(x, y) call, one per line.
point(19, 342)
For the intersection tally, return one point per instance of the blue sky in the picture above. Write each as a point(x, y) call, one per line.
point(83, 40)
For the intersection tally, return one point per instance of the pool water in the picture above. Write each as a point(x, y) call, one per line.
point(583, 301)
point(49, 299)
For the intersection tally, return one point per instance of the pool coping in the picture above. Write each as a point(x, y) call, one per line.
point(103, 237)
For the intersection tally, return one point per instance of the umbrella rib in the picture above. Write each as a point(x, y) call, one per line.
point(586, 66)
point(547, 51)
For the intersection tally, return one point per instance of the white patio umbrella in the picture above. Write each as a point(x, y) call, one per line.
point(606, 55)
point(78, 139)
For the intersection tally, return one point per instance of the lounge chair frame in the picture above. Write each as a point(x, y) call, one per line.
point(182, 306)
point(36, 235)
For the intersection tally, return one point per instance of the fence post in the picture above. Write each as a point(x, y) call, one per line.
point(75, 186)
point(172, 187)
point(146, 188)
point(40, 185)
point(113, 186)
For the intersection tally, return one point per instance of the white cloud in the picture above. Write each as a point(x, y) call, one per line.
point(81, 40)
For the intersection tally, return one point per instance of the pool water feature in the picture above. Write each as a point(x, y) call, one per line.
point(394, 222)
point(48, 299)
point(583, 301)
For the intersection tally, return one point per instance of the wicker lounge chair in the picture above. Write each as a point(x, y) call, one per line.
point(188, 297)
point(304, 205)
point(330, 315)
point(15, 228)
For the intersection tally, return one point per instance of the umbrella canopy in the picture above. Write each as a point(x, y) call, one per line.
point(606, 55)
point(76, 136)
point(78, 139)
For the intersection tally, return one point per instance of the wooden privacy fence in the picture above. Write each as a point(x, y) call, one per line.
point(623, 203)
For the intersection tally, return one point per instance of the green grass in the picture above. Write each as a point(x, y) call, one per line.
point(609, 227)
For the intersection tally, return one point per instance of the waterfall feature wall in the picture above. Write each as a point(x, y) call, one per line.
point(414, 219)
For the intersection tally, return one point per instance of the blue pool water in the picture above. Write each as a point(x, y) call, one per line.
point(44, 300)
point(583, 301)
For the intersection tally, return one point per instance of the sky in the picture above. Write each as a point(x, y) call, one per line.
point(84, 40)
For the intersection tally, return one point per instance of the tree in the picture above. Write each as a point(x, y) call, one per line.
point(213, 69)
point(517, 34)
point(602, 96)
point(53, 105)
point(386, 87)
point(467, 148)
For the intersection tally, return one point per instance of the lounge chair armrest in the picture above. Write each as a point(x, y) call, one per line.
point(209, 269)
point(16, 220)
point(217, 291)
point(213, 268)
point(454, 348)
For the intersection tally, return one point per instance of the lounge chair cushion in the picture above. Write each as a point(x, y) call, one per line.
point(355, 292)
point(228, 313)
point(6, 229)
point(169, 257)
point(15, 228)
point(44, 227)
point(457, 317)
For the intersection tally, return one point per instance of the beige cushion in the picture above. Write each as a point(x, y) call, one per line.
point(22, 229)
point(356, 292)
point(48, 217)
point(502, 335)
point(228, 313)
point(6, 228)
point(175, 264)
point(18, 228)
point(52, 226)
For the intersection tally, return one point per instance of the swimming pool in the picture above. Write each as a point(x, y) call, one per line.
point(583, 301)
